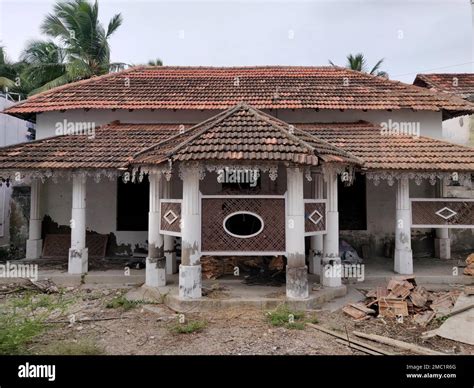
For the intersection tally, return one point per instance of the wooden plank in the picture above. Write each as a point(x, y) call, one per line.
point(392, 307)
point(424, 318)
point(419, 296)
point(358, 347)
point(353, 312)
point(393, 283)
point(363, 308)
point(399, 291)
point(352, 340)
point(382, 292)
point(398, 344)
point(469, 290)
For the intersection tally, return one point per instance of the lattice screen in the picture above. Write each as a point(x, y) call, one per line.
point(443, 213)
point(216, 239)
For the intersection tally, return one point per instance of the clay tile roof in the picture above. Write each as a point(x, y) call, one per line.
point(400, 152)
point(115, 144)
point(112, 147)
point(267, 87)
point(460, 84)
point(243, 133)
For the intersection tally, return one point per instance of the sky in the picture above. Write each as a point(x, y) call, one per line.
point(412, 36)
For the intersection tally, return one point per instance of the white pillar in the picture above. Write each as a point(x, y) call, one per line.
point(296, 269)
point(190, 281)
point(169, 241)
point(316, 242)
point(442, 244)
point(78, 253)
point(34, 243)
point(331, 271)
point(155, 275)
point(403, 253)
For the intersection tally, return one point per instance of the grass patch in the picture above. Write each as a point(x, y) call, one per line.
point(121, 302)
point(22, 319)
point(188, 327)
point(69, 348)
point(282, 316)
point(17, 331)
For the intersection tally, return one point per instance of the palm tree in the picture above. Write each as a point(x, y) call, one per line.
point(83, 50)
point(358, 62)
point(155, 62)
point(7, 71)
point(46, 65)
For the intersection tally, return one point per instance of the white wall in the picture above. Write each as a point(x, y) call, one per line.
point(101, 211)
point(12, 131)
point(430, 122)
point(458, 130)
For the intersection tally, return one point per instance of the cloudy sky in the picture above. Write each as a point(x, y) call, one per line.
point(412, 36)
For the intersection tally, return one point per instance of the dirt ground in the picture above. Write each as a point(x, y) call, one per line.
point(101, 321)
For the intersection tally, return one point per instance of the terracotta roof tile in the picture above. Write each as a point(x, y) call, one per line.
point(460, 84)
point(114, 146)
point(271, 87)
point(381, 151)
point(243, 133)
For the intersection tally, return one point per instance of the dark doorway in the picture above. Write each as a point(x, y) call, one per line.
point(132, 205)
point(352, 202)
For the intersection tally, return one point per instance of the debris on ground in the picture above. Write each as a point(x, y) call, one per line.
point(262, 270)
point(469, 270)
point(402, 297)
point(44, 286)
point(348, 253)
point(213, 268)
point(458, 325)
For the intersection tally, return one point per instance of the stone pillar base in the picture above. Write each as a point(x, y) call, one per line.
point(171, 266)
point(403, 262)
point(314, 261)
point(155, 272)
point(78, 261)
point(190, 281)
point(442, 248)
point(33, 249)
point(331, 272)
point(297, 282)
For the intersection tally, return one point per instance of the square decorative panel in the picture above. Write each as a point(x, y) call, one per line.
point(315, 217)
point(170, 217)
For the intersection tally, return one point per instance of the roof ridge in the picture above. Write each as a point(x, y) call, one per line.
point(263, 116)
point(207, 121)
point(321, 141)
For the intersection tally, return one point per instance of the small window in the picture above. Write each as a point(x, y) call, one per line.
point(243, 224)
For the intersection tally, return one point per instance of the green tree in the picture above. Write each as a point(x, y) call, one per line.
point(155, 62)
point(83, 47)
point(7, 71)
point(359, 63)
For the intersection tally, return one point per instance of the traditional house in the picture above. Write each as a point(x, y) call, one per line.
point(241, 161)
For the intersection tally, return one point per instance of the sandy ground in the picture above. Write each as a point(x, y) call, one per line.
point(147, 329)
